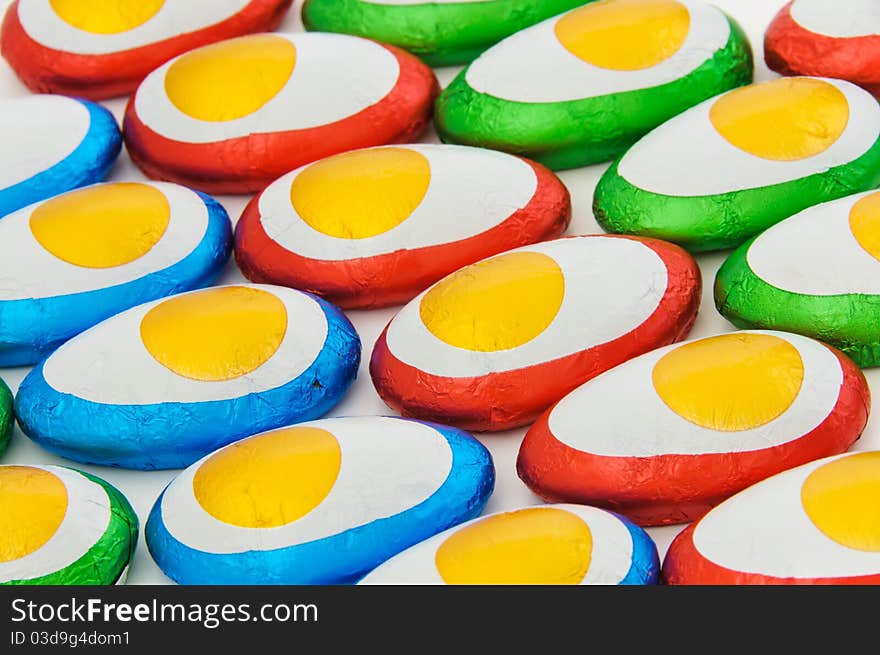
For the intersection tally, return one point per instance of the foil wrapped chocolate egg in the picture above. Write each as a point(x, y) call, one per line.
point(735, 165)
point(103, 48)
point(60, 526)
point(815, 524)
point(316, 503)
point(375, 227)
point(830, 39)
point(545, 545)
point(666, 436)
point(494, 344)
point(233, 116)
point(816, 273)
point(7, 418)
point(164, 383)
point(441, 32)
point(52, 144)
point(581, 87)
point(83, 256)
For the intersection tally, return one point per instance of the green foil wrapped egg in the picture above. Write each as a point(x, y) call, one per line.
point(732, 166)
point(6, 416)
point(816, 273)
point(581, 87)
point(60, 526)
point(441, 32)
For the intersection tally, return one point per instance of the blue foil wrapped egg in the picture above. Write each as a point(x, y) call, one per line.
point(76, 259)
point(317, 503)
point(52, 144)
point(546, 545)
point(164, 383)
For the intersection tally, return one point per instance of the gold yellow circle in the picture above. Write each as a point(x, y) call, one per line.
point(33, 503)
point(731, 382)
point(497, 304)
point(102, 226)
point(357, 195)
point(231, 79)
point(106, 16)
point(269, 480)
point(542, 545)
point(215, 334)
point(782, 120)
point(842, 499)
point(625, 34)
point(864, 222)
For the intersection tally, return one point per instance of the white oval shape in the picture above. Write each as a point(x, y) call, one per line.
point(533, 66)
point(336, 76)
point(705, 163)
point(109, 364)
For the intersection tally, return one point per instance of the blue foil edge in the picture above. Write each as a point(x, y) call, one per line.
point(88, 163)
point(174, 435)
point(346, 557)
point(645, 567)
point(32, 328)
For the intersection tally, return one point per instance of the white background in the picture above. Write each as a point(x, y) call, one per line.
point(142, 488)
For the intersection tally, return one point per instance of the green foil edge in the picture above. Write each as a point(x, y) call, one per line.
point(848, 321)
point(103, 563)
point(6, 420)
point(725, 220)
point(577, 133)
point(442, 35)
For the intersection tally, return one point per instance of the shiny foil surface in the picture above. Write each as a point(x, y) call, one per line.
point(98, 76)
point(440, 33)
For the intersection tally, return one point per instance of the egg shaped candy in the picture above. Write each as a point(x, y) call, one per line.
point(164, 383)
point(60, 526)
point(737, 164)
point(52, 144)
point(103, 48)
point(375, 227)
point(233, 116)
point(668, 435)
point(317, 503)
point(78, 258)
point(581, 87)
point(831, 39)
point(815, 524)
point(548, 545)
point(441, 32)
point(494, 344)
point(7, 418)
point(773, 281)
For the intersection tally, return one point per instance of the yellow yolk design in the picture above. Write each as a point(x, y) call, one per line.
point(782, 120)
point(842, 499)
point(362, 194)
point(269, 480)
point(106, 16)
point(625, 34)
point(103, 226)
point(232, 79)
point(216, 334)
point(530, 546)
point(864, 221)
point(731, 382)
point(497, 304)
point(33, 503)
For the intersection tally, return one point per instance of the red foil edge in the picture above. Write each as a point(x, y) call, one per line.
point(247, 164)
point(508, 399)
point(397, 277)
point(668, 489)
point(790, 49)
point(96, 77)
point(684, 565)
